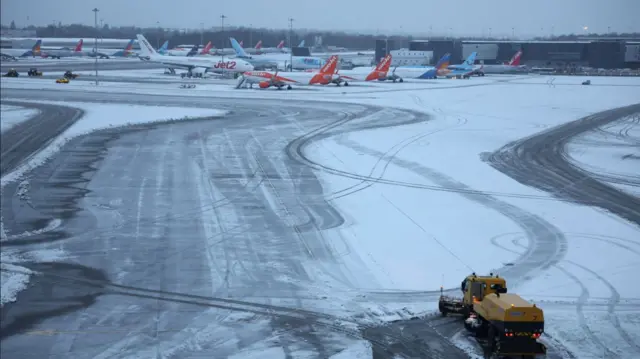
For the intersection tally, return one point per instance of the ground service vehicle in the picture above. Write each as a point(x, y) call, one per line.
point(11, 73)
point(34, 72)
point(63, 80)
point(505, 325)
point(70, 75)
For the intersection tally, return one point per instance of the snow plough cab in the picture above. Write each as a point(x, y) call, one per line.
point(505, 325)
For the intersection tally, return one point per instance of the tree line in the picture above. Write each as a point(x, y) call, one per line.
point(269, 37)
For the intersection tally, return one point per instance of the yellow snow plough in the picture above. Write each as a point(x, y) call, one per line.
point(505, 325)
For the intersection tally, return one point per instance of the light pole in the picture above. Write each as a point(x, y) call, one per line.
point(290, 45)
point(95, 13)
point(158, 35)
point(222, 17)
point(251, 35)
point(202, 34)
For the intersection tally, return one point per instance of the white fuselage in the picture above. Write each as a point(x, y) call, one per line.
point(357, 74)
point(210, 63)
point(500, 69)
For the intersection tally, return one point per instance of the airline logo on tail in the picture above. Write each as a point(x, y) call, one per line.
point(36, 46)
point(443, 63)
point(381, 70)
point(129, 46)
point(241, 43)
point(470, 60)
point(79, 46)
point(515, 60)
point(326, 72)
point(146, 46)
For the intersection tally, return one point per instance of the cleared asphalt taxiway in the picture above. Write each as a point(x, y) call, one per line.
point(196, 238)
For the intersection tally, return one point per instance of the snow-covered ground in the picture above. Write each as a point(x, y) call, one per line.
point(611, 154)
point(97, 116)
point(467, 216)
point(13, 115)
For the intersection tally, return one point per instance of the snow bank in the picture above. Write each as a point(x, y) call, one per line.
point(13, 115)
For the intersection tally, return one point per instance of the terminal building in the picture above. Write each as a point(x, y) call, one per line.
point(594, 53)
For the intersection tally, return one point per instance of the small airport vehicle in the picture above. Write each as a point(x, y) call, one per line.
point(34, 72)
point(70, 75)
point(11, 73)
point(505, 325)
point(63, 80)
point(587, 82)
point(187, 86)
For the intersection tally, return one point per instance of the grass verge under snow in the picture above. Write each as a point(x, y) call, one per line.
point(13, 115)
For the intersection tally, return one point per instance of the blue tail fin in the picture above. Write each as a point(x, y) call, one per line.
point(301, 43)
point(164, 48)
point(238, 49)
point(470, 60)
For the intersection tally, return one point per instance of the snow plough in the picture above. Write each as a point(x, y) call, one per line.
point(505, 325)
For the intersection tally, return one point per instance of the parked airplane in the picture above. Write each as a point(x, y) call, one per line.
point(287, 50)
point(208, 63)
point(254, 50)
point(258, 61)
point(463, 70)
point(266, 79)
point(13, 53)
point(380, 72)
point(280, 61)
point(508, 67)
point(126, 52)
point(420, 72)
point(64, 52)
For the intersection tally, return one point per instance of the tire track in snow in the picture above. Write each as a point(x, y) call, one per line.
point(547, 244)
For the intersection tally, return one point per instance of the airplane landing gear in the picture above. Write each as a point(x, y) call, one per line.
point(401, 80)
point(288, 87)
point(346, 83)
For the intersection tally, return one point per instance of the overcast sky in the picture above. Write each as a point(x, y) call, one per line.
point(418, 17)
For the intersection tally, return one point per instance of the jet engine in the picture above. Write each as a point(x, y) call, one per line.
point(264, 84)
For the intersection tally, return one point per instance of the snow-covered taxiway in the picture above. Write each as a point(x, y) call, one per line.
point(321, 225)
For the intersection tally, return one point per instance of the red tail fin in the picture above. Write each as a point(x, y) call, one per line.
point(259, 45)
point(79, 46)
point(515, 61)
point(207, 48)
point(281, 44)
point(330, 66)
point(381, 70)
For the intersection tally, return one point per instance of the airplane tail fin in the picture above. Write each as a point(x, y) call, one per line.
point(301, 43)
point(164, 48)
point(237, 47)
point(258, 45)
point(329, 67)
point(280, 45)
point(381, 69)
point(471, 59)
point(193, 51)
point(36, 46)
point(129, 46)
point(145, 46)
point(443, 63)
point(515, 61)
point(242, 43)
point(206, 48)
point(79, 46)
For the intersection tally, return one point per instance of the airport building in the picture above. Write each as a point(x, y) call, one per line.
point(595, 53)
